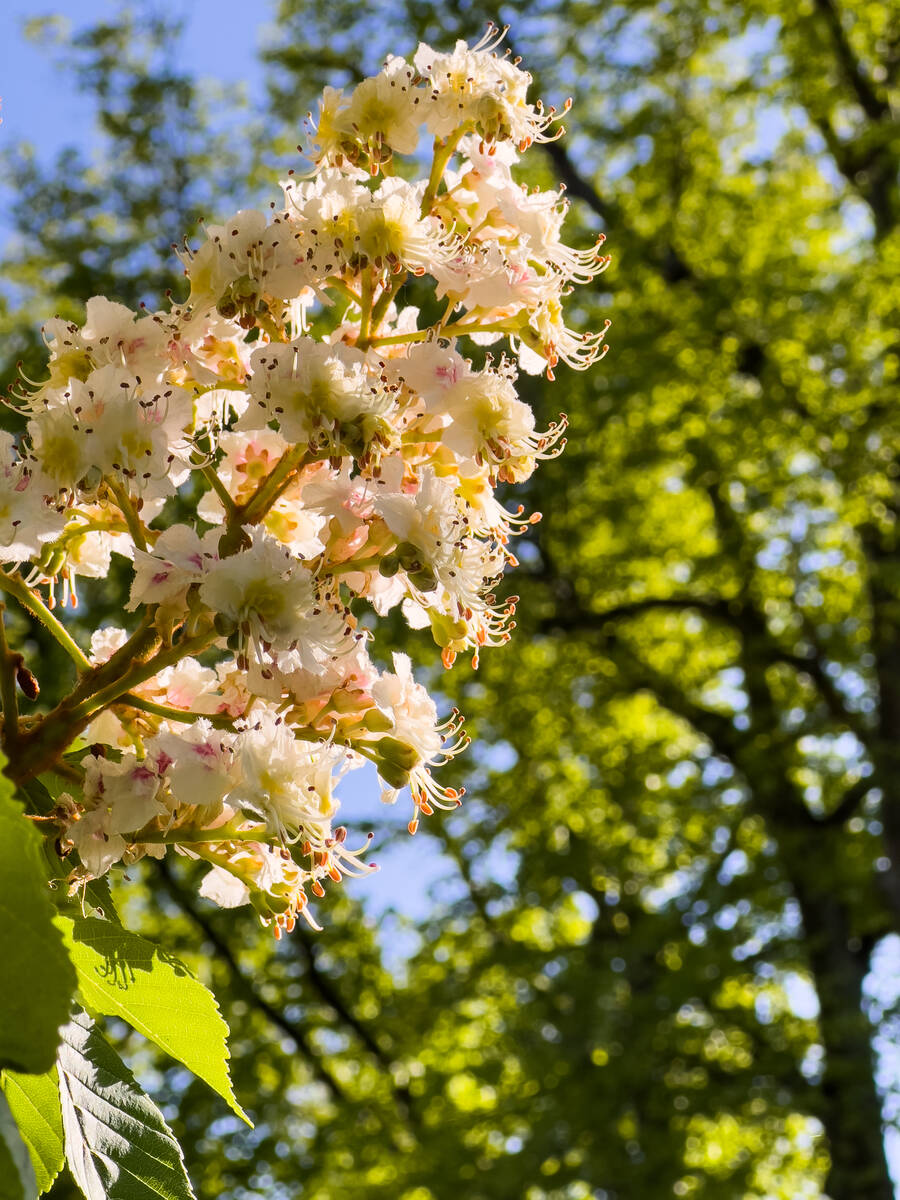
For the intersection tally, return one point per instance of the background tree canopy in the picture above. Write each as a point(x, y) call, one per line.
point(642, 972)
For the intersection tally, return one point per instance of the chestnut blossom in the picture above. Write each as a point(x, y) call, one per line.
point(417, 741)
point(287, 456)
point(285, 781)
point(27, 520)
point(315, 392)
point(119, 797)
point(179, 558)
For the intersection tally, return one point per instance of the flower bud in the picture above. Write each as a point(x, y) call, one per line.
point(53, 561)
point(48, 551)
point(267, 904)
point(343, 701)
point(245, 291)
point(27, 682)
point(423, 579)
point(397, 753)
point(445, 630)
point(227, 308)
point(410, 556)
point(375, 721)
point(393, 775)
point(223, 625)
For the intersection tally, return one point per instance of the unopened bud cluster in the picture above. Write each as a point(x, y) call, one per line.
point(334, 449)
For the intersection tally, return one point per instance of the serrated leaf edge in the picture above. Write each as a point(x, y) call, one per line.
point(9, 1081)
point(121, 1012)
point(72, 1111)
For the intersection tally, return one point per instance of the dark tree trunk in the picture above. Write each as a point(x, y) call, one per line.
point(884, 569)
point(811, 852)
point(850, 1107)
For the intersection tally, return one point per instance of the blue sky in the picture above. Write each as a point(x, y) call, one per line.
point(42, 105)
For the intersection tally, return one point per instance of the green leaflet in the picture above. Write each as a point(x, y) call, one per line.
point(16, 1173)
point(118, 1146)
point(34, 1103)
point(121, 974)
point(37, 981)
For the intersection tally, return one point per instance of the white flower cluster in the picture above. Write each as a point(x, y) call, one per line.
point(336, 449)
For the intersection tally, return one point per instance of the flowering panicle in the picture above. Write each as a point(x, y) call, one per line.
point(340, 454)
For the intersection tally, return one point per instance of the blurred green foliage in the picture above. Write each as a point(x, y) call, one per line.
point(683, 819)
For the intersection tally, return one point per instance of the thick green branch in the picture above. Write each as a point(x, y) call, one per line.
point(217, 720)
point(129, 512)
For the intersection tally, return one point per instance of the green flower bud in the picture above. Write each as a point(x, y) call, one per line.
point(410, 556)
point(54, 561)
point(245, 290)
point(393, 775)
point(48, 550)
point(224, 626)
point(423, 579)
point(268, 905)
point(376, 721)
point(445, 630)
point(398, 753)
point(227, 307)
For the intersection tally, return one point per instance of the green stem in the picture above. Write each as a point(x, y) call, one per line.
point(384, 300)
point(14, 586)
point(415, 437)
point(219, 488)
point(443, 152)
point(8, 664)
point(88, 526)
point(421, 335)
point(129, 512)
point(308, 733)
point(401, 339)
point(217, 720)
point(191, 835)
point(252, 511)
point(226, 385)
point(41, 746)
point(460, 327)
point(345, 290)
point(448, 312)
point(144, 640)
point(350, 564)
point(363, 749)
point(270, 326)
point(365, 318)
point(138, 674)
point(269, 490)
point(203, 851)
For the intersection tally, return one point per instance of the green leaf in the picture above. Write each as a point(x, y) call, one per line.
point(118, 1145)
point(34, 1103)
point(37, 796)
point(17, 1180)
point(121, 974)
point(37, 981)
